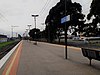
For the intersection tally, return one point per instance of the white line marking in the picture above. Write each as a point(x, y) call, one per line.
point(76, 48)
point(6, 57)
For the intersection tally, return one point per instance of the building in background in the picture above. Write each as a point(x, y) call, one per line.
point(3, 38)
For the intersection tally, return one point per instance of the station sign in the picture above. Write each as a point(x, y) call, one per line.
point(65, 19)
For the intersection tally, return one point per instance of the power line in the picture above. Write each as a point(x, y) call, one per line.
point(2, 16)
point(48, 5)
point(44, 7)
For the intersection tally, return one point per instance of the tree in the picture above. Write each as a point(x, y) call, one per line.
point(19, 36)
point(77, 18)
point(53, 20)
point(34, 33)
point(94, 11)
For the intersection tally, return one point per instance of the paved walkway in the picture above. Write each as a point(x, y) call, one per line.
point(48, 59)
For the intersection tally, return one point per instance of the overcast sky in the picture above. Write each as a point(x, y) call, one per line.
point(18, 13)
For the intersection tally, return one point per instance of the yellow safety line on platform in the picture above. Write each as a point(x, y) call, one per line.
point(11, 62)
point(63, 46)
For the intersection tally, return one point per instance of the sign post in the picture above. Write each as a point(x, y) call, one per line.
point(64, 20)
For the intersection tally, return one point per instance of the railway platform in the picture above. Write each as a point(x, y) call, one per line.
point(48, 59)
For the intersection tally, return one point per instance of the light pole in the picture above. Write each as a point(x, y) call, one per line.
point(26, 32)
point(29, 26)
point(35, 19)
point(35, 26)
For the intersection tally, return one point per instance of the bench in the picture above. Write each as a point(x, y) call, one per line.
point(91, 54)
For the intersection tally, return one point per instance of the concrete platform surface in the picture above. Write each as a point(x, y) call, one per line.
point(48, 59)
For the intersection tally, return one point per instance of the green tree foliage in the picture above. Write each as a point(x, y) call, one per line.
point(53, 20)
point(94, 11)
point(34, 33)
point(19, 36)
point(77, 18)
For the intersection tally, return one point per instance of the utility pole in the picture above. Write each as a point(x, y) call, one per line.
point(65, 34)
point(12, 30)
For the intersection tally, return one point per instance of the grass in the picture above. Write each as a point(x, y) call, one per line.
point(6, 43)
point(97, 44)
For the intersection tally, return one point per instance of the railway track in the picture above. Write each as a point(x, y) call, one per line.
point(6, 49)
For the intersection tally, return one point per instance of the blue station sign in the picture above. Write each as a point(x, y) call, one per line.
point(65, 19)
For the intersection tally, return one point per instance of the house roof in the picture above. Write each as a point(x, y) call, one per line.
point(3, 36)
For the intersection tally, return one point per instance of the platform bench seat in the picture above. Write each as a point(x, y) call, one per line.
point(91, 54)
